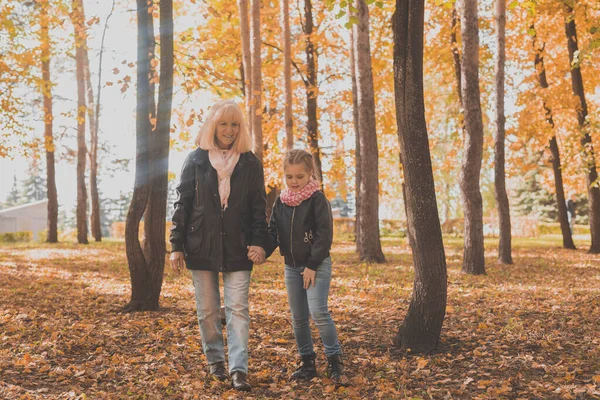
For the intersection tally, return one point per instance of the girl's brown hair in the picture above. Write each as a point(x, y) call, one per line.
point(298, 156)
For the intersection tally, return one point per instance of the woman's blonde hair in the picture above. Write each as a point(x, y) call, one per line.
point(299, 156)
point(224, 109)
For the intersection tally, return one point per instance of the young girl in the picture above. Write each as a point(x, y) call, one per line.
point(302, 226)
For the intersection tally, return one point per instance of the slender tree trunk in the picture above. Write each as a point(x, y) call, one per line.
point(93, 153)
point(52, 236)
point(505, 247)
point(78, 24)
point(421, 329)
point(135, 255)
point(356, 135)
point(563, 219)
point(456, 52)
point(287, 74)
point(256, 79)
point(156, 209)
point(586, 140)
point(246, 59)
point(369, 244)
point(312, 89)
point(473, 261)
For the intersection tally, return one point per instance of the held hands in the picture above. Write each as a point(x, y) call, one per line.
point(256, 254)
point(309, 277)
point(177, 260)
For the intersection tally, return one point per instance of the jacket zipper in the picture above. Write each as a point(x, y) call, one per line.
point(292, 238)
point(197, 196)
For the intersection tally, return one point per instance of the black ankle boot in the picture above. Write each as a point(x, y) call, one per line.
point(239, 382)
point(218, 370)
point(307, 369)
point(335, 369)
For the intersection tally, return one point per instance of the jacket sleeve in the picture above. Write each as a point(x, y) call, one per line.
point(323, 234)
point(272, 237)
point(258, 206)
point(183, 205)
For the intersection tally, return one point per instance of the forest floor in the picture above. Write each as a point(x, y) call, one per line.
point(528, 330)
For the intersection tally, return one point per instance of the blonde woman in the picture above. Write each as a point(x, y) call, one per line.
point(218, 218)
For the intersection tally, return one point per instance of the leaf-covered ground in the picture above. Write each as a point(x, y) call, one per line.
point(530, 330)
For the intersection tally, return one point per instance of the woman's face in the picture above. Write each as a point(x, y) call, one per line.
point(296, 176)
point(227, 132)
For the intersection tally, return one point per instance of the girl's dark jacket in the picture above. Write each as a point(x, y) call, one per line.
point(303, 233)
point(210, 238)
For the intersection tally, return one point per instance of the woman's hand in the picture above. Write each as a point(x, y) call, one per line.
point(177, 261)
point(256, 254)
point(309, 277)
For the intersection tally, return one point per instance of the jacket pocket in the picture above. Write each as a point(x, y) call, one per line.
point(193, 241)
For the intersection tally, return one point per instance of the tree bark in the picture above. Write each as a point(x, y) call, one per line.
point(155, 216)
point(563, 219)
point(455, 52)
point(246, 59)
point(369, 243)
point(586, 140)
point(357, 159)
point(473, 260)
point(78, 24)
point(135, 255)
point(255, 45)
point(504, 247)
point(312, 89)
point(287, 74)
point(421, 329)
point(52, 236)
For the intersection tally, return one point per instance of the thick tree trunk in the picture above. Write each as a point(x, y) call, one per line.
point(563, 218)
point(246, 59)
point(155, 217)
point(312, 89)
point(473, 261)
point(586, 140)
point(357, 169)
point(504, 247)
point(78, 24)
point(287, 74)
point(369, 244)
point(52, 236)
point(256, 79)
point(422, 326)
point(135, 255)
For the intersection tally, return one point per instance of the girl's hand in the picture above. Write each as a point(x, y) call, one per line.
point(177, 260)
point(309, 277)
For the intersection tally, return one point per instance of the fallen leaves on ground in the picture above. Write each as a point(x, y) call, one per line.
point(528, 330)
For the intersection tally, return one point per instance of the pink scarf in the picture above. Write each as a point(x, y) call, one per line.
point(294, 199)
point(224, 164)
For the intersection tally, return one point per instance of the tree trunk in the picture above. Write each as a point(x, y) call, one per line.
point(78, 24)
point(312, 89)
point(421, 329)
point(563, 219)
point(256, 79)
point(586, 140)
point(52, 236)
point(287, 74)
point(456, 52)
point(369, 244)
point(357, 172)
point(473, 261)
point(156, 209)
point(135, 255)
point(246, 60)
point(504, 247)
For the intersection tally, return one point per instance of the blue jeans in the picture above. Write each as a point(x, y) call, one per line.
point(208, 307)
point(311, 302)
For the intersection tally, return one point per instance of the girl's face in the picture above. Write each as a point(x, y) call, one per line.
point(296, 176)
point(227, 132)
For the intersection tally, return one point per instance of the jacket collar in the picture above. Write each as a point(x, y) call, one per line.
point(200, 157)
